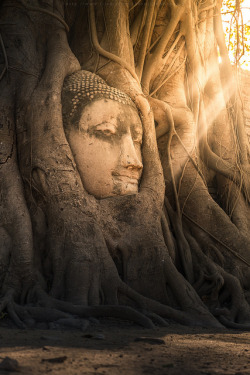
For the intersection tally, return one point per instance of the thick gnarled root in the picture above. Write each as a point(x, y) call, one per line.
point(221, 291)
point(190, 317)
point(102, 311)
point(8, 306)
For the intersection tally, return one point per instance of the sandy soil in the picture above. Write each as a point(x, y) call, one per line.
point(118, 348)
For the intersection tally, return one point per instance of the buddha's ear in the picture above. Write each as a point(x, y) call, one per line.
point(152, 182)
point(162, 115)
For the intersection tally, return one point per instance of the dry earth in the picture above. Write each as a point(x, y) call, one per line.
point(111, 347)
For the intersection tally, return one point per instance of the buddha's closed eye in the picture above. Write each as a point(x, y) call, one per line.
point(105, 128)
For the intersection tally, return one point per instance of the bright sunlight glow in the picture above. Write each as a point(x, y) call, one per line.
point(229, 23)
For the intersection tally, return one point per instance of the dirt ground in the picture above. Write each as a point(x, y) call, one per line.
point(119, 348)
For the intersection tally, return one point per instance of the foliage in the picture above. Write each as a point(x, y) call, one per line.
point(237, 31)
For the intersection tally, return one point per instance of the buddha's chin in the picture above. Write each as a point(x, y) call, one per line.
point(120, 188)
point(125, 186)
point(129, 189)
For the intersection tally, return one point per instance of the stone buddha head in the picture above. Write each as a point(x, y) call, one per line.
point(104, 132)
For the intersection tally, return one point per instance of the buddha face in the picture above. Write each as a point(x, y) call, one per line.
point(107, 148)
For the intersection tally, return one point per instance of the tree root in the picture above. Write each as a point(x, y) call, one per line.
point(218, 287)
point(7, 304)
point(40, 314)
point(183, 246)
point(108, 311)
point(229, 324)
point(157, 319)
point(102, 51)
point(48, 309)
point(190, 317)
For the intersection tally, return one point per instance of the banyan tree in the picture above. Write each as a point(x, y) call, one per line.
point(124, 164)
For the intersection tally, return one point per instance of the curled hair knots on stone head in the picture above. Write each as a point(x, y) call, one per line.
point(82, 88)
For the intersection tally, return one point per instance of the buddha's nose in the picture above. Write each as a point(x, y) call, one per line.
point(129, 156)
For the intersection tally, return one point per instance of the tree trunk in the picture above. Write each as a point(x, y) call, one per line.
point(179, 248)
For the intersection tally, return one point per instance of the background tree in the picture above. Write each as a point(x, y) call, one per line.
point(237, 29)
point(180, 248)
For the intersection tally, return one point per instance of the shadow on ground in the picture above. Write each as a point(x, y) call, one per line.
point(119, 348)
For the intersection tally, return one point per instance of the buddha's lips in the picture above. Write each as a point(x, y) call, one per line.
point(134, 175)
point(131, 178)
point(127, 179)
